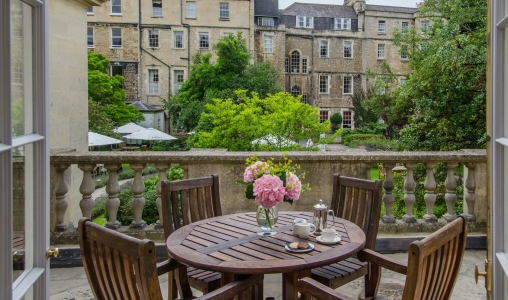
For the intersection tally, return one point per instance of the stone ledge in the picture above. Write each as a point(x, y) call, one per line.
point(416, 229)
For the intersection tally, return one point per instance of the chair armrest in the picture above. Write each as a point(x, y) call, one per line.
point(382, 261)
point(166, 266)
point(315, 289)
point(234, 288)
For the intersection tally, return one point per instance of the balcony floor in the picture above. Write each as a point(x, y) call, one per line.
point(71, 283)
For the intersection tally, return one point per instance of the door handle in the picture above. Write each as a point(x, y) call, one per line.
point(486, 274)
point(16, 256)
point(52, 252)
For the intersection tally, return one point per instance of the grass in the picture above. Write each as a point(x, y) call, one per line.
point(374, 174)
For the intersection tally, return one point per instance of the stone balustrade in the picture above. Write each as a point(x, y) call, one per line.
point(319, 168)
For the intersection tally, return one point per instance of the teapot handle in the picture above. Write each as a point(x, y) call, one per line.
point(333, 219)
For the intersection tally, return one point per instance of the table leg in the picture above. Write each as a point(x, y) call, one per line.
point(290, 284)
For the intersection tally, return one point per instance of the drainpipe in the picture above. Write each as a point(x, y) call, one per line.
point(312, 71)
point(140, 40)
point(188, 38)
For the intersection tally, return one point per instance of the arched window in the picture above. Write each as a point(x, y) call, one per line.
point(295, 62)
point(295, 91)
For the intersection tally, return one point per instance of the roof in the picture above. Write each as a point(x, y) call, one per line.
point(320, 10)
point(409, 10)
point(266, 8)
point(145, 107)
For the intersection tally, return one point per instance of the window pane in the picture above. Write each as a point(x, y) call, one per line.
point(153, 81)
point(304, 98)
point(323, 116)
point(203, 41)
point(90, 10)
point(348, 51)
point(381, 27)
point(224, 10)
point(21, 69)
point(346, 119)
point(116, 37)
point(178, 81)
point(295, 62)
point(116, 6)
point(323, 84)
point(295, 91)
point(156, 8)
point(153, 38)
point(323, 49)
point(268, 44)
point(178, 39)
point(304, 65)
point(190, 9)
point(89, 31)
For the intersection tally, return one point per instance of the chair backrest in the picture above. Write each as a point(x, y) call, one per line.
point(359, 201)
point(434, 262)
point(190, 200)
point(118, 266)
point(143, 147)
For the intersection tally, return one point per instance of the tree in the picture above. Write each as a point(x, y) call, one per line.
point(209, 80)
point(235, 125)
point(107, 91)
point(100, 122)
point(444, 98)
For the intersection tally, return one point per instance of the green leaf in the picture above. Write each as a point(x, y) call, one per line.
point(249, 191)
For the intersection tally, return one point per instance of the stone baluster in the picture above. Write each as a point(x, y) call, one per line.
point(61, 201)
point(86, 189)
point(469, 196)
point(388, 198)
point(430, 196)
point(113, 203)
point(409, 196)
point(138, 187)
point(162, 176)
point(450, 196)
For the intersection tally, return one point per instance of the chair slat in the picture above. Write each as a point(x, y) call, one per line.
point(201, 202)
point(208, 202)
point(184, 198)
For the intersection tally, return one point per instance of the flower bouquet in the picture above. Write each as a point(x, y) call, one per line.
point(270, 184)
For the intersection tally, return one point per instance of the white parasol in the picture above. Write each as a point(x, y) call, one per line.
point(129, 128)
point(95, 139)
point(150, 134)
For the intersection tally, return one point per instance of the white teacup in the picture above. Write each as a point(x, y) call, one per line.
point(304, 230)
point(297, 221)
point(329, 234)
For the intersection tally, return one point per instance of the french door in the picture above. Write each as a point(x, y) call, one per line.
point(498, 130)
point(24, 150)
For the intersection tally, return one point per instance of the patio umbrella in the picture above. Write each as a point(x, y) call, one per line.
point(95, 139)
point(150, 134)
point(129, 128)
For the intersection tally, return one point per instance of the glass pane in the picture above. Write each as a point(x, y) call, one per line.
point(21, 68)
point(22, 209)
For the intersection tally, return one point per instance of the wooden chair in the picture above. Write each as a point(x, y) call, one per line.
point(178, 197)
point(359, 201)
point(432, 268)
point(122, 267)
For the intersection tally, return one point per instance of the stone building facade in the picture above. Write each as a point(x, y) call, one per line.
point(322, 52)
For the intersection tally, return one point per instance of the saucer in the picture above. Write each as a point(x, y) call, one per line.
point(335, 241)
point(311, 247)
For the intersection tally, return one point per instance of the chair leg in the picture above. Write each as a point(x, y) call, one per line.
point(182, 281)
point(172, 286)
point(257, 292)
point(372, 280)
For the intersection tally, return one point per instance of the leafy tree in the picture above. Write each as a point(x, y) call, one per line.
point(99, 121)
point(107, 91)
point(281, 116)
point(444, 98)
point(209, 80)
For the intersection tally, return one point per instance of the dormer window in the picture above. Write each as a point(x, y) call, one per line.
point(342, 24)
point(304, 22)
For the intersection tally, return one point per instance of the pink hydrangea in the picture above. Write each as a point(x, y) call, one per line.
point(293, 187)
point(269, 190)
point(251, 172)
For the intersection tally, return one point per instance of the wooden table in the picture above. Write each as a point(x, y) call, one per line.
point(129, 148)
point(229, 244)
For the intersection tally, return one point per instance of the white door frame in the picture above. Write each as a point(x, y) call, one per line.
point(498, 125)
point(36, 276)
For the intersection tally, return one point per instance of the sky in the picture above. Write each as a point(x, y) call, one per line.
point(404, 3)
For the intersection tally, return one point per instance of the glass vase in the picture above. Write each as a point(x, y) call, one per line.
point(266, 218)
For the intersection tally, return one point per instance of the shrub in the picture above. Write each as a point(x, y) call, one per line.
point(175, 173)
point(375, 144)
point(99, 207)
point(348, 139)
point(179, 144)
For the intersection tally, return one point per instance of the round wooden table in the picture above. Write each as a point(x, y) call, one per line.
point(230, 245)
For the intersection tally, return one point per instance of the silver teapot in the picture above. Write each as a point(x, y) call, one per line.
point(321, 212)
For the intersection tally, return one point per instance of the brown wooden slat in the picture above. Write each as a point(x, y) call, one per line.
point(185, 202)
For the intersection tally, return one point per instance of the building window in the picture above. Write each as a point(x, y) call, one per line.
point(116, 70)
point(402, 81)
point(304, 22)
point(203, 41)
point(17, 73)
point(286, 64)
point(153, 82)
point(323, 116)
point(116, 37)
point(425, 24)
point(348, 49)
point(342, 24)
point(226, 34)
point(153, 38)
point(304, 65)
point(405, 27)
point(190, 10)
point(89, 40)
point(347, 86)
point(157, 8)
point(89, 10)
point(323, 49)
point(324, 84)
point(403, 54)
point(224, 10)
point(304, 98)
point(346, 119)
point(178, 39)
point(381, 27)
point(178, 81)
point(295, 91)
point(380, 51)
point(268, 43)
point(116, 7)
point(295, 62)
point(266, 22)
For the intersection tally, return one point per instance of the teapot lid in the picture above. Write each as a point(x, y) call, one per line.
point(320, 205)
